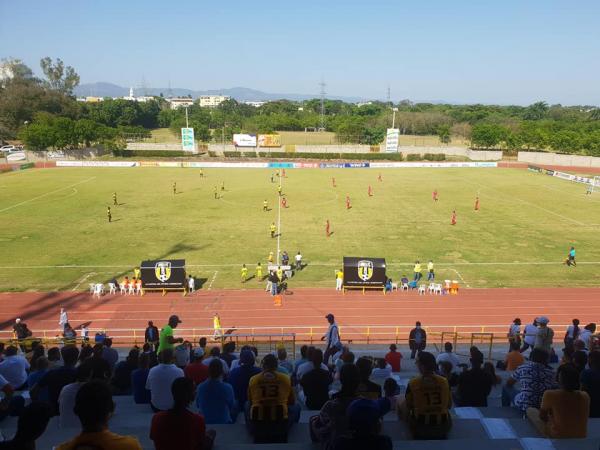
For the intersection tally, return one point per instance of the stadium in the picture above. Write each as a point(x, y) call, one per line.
point(206, 270)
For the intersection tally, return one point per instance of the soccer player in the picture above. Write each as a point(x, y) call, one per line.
point(270, 258)
point(571, 258)
point(339, 279)
point(477, 203)
point(265, 206)
point(434, 195)
point(279, 190)
point(430, 272)
point(272, 181)
point(216, 192)
point(258, 273)
point(333, 181)
point(370, 191)
point(201, 173)
point(453, 220)
point(222, 186)
point(283, 173)
point(283, 202)
point(109, 215)
point(174, 187)
point(273, 229)
point(348, 205)
point(379, 177)
point(115, 203)
point(218, 332)
point(327, 228)
point(244, 273)
point(589, 189)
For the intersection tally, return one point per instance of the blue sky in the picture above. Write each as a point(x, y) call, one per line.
point(489, 51)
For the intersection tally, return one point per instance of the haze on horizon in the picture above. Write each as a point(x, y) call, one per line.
point(509, 52)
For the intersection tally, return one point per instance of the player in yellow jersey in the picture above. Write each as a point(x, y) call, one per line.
point(270, 258)
point(109, 215)
point(273, 229)
point(174, 187)
point(244, 273)
point(218, 332)
point(279, 190)
point(115, 203)
point(265, 206)
point(258, 273)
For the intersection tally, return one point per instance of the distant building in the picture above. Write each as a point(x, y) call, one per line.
point(255, 104)
point(359, 104)
point(182, 102)
point(90, 99)
point(133, 98)
point(211, 101)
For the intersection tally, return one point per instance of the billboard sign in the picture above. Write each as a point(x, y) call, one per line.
point(269, 140)
point(163, 274)
point(391, 140)
point(244, 140)
point(187, 140)
point(364, 272)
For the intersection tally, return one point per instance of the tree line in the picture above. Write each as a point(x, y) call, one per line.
point(44, 114)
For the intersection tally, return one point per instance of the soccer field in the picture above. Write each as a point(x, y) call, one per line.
point(55, 233)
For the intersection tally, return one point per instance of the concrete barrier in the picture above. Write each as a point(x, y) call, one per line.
point(555, 159)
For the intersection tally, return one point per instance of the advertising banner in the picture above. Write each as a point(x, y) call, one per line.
point(571, 177)
point(97, 163)
point(269, 140)
point(391, 140)
point(382, 165)
point(306, 165)
point(364, 272)
point(244, 140)
point(281, 165)
point(534, 169)
point(232, 165)
point(187, 140)
point(163, 274)
point(17, 156)
point(168, 164)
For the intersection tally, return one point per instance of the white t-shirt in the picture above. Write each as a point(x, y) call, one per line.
point(378, 373)
point(160, 379)
point(66, 403)
point(298, 258)
point(514, 330)
point(585, 335)
point(307, 367)
point(571, 331)
point(530, 333)
point(14, 369)
point(451, 358)
point(191, 283)
point(207, 361)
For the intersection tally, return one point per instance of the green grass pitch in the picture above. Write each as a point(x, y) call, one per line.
point(521, 235)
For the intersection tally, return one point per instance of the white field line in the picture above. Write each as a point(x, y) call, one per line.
point(46, 194)
point(214, 277)
point(82, 280)
point(461, 277)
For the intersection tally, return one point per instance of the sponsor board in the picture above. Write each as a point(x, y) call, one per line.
point(27, 166)
point(244, 140)
point(357, 165)
point(163, 274)
point(549, 172)
point(241, 165)
point(382, 165)
point(364, 272)
point(281, 165)
point(17, 156)
point(187, 140)
point(269, 140)
point(534, 169)
point(575, 178)
point(306, 165)
point(391, 140)
point(168, 164)
point(97, 163)
point(149, 163)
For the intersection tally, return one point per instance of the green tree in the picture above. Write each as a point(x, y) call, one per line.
point(37, 136)
point(443, 133)
point(536, 111)
point(487, 135)
point(58, 77)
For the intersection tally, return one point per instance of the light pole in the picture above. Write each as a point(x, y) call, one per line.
point(187, 125)
point(394, 111)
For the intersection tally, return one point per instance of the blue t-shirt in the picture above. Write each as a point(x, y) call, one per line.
point(215, 400)
point(239, 378)
point(138, 385)
point(572, 253)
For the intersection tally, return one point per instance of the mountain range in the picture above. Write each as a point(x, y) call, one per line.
point(242, 94)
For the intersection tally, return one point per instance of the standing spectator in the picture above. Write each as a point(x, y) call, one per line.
point(69, 334)
point(474, 385)
point(214, 398)
point(298, 261)
point(66, 399)
point(139, 376)
point(430, 271)
point(545, 335)
point(191, 284)
point(564, 411)
point(166, 339)
point(417, 270)
point(14, 368)
point(110, 354)
point(239, 378)
point(228, 354)
point(151, 335)
point(394, 358)
point(283, 361)
point(100, 366)
point(54, 380)
point(196, 371)
point(179, 428)
point(54, 359)
point(417, 340)
point(382, 370)
point(31, 425)
point(160, 379)
point(63, 319)
point(427, 419)
point(273, 282)
point(514, 358)
point(529, 335)
point(339, 279)
point(590, 382)
point(572, 333)
point(364, 425)
point(447, 355)
point(94, 406)
point(534, 378)
point(366, 388)
point(332, 338)
point(121, 380)
point(586, 334)
point(514, 333)
point(315, 383)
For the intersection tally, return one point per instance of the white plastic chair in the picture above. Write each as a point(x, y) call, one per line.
point(431, 288)
point(98, 290)
point(112, 288)
point(92, 288)
point(394, 287)
point(404, 286)
point(421, 289)
point(122, 288)
point(437, 289)
point(131, 289)
point(138, 288)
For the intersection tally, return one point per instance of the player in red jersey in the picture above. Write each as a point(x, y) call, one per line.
point(333, 181)
point(348, 205)
point(370, 191)
point(284, 202)
point(477, 203)
point(453, 220)
point(434, 195)
point(327, 228)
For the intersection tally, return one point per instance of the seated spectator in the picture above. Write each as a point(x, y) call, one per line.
point(489, 368)
point(366, 388)
point(590, 382)
point(31, 424)
point(54, 380)
point(271, 407)
point(121, 380)
point(87, 351)
point(99, 366)
point(303, 358)
point(179, 428)
point(545, 335)
point(14, 368)
point(54, 359)
point(529, 335)
point(215, 353)
point(69, 334)
point(580, 360)
point(94, 406)
point(448, 355)
point(99, 337)
point(586, 335)
point(564, 412)
point(388, 285)
point(151, 354)
point(160, 379)
point(10, 405)
point(66, 399)
point(315, 383)
point(37, 351)
point(239, 378)
point(364, 425)
point(391, 391)
point(394, 358)
point(308, 366)
point(236, 362)
point(182, 354)
point(38, 370)
point(196, 371)
point(445, 370)
point(110, 354)
point(283, 361)
point(214, 398)
point(346, 358)
point(382, 370)
point(474, 385)
point(514, 357)
point(139, 376)
point(572, 333)
point(534, 377)
point(228, 353)
point(427, 419)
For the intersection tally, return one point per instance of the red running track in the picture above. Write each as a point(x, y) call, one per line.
point(356, 314)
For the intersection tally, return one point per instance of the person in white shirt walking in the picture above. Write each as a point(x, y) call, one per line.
point(191, 284)
point(298, 258)
point(529, 335)
point(63, 319)
point(332, 337)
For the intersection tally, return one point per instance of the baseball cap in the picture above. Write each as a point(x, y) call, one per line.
point(174, 318)
point(543, 320)
point(329, 316)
